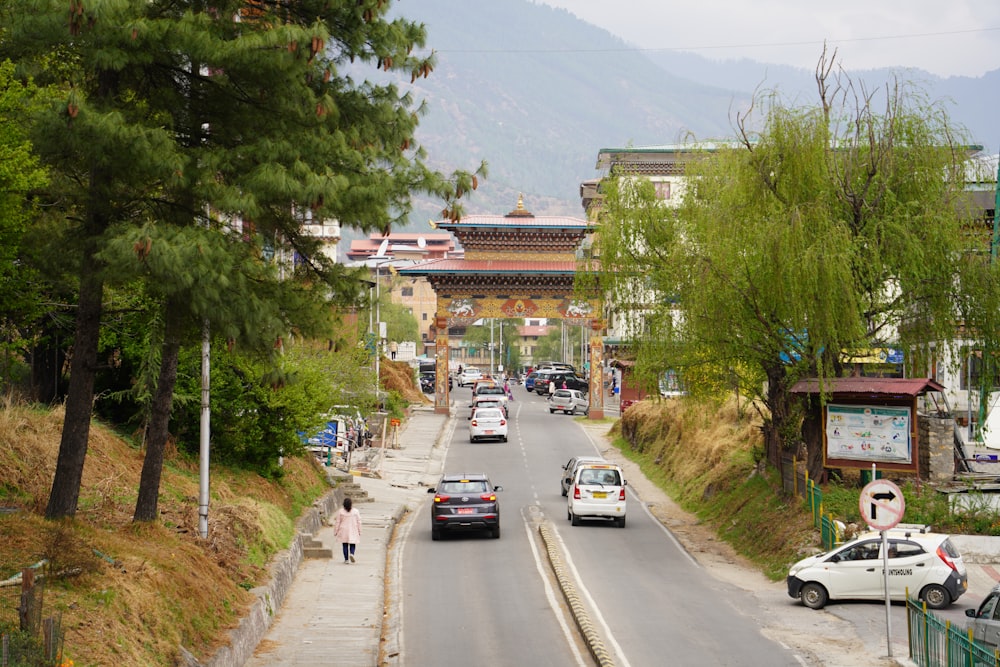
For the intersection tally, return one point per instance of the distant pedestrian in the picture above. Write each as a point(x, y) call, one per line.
point(552, 387)
point(506, 390)
point(347, 528)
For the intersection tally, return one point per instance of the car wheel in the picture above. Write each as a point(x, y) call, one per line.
point(495, 531)
point(620, 521)
point(575, 520)
point(503, 439)
point(471, 439)
point(813, 596)
point(561, 489)
point(552, 411)
point(435, 533)
point(936, 596)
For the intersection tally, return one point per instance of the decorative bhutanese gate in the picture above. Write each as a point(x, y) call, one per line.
point(515, 266)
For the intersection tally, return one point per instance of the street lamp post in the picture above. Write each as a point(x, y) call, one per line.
point(379, 332)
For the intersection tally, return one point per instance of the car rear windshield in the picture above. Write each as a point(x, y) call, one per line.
point(483, 391)
point(464, 486)
point(950, 549)
point(600, 476)
point(488, 413)
point(563, 393)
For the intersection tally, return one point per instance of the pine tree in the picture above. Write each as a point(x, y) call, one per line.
point(231, 117)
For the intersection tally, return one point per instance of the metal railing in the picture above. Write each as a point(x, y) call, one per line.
point(937, 643)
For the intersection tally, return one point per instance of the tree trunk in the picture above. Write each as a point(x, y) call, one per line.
point(146, 505)
point(812, 433)
point(65, 492)
point(47, 361)
point(777, 403)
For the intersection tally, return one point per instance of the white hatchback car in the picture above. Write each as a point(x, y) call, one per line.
point(925, 564)
point(597, 492)
point(488, 423)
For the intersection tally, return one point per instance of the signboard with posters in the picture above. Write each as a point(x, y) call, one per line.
point(869, 433)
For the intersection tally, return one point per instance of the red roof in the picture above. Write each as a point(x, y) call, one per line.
point(515, 221)
point(489, 265)
point(859, 386)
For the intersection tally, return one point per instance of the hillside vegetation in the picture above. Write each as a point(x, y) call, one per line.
point(131, 594)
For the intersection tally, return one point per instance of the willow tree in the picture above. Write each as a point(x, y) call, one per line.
point(819, 229)
point(232, 116)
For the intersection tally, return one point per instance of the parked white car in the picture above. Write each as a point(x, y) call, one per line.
point(597, 492)
point(488, 423)
point(926, 564)
point(568, 401)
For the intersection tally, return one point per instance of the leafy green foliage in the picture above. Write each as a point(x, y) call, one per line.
point(259, 411)
point(820, 230)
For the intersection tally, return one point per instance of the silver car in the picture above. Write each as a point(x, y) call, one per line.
point(569, 470)
point(985, 623)
point(569, 401)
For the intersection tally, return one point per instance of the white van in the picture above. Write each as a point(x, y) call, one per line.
point(597, 492)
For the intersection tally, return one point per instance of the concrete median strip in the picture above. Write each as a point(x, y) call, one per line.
point(590, 635)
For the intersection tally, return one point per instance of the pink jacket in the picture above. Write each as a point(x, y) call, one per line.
point(347, 526)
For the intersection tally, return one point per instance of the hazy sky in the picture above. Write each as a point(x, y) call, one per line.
point(956, 37)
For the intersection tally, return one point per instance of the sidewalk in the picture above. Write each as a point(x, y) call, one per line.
point(332, 614)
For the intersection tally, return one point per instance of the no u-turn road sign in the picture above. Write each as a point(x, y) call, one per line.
point(881, 504)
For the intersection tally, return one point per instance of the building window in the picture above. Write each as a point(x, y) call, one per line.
point(662, 189)
point(423, 316)
point(423, 336)
point(407, 291)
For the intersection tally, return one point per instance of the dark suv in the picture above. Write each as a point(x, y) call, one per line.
point(465, 502)
point(572, 380)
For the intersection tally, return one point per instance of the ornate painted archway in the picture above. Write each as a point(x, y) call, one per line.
point(515, 266)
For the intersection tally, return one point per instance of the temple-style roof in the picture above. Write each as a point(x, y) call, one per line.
point(493, 266)
point(517, 253)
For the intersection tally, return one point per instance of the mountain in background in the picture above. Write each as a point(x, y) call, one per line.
point(536, 92)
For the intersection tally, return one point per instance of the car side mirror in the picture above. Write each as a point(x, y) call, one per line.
point(432, 490)
point(498, 488)
point(971, 613)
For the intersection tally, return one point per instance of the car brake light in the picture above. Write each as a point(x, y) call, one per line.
point(503, 421)
point(438, 498)
point(621, 494)
point(947, 560)
point(576, 492)
point(474, 422)
point(488, 497)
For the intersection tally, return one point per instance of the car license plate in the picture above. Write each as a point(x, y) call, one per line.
point(599, 494)
point(466, 510)
point(489, 431)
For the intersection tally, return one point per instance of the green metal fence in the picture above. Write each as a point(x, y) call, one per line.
point(937, 643)
point(829, 529)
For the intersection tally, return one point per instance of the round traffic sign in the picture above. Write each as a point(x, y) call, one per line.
point(881, 504)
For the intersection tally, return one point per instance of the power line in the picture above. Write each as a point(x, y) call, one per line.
point(717, 47)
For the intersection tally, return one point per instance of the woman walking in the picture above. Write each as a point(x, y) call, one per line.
point(347, 528)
